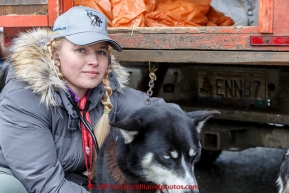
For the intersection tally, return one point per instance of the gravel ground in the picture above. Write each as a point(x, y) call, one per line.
point(253, 170)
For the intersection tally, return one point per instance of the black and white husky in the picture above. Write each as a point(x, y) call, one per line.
point(283, 178)
point(152, 151)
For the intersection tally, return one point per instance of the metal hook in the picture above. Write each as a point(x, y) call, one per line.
point(152, 70)
point(153, 77)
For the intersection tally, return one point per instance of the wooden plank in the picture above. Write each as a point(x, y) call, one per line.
point(265, 16)
point(22, 2)
point(183, 30)
point(185, 38)
point(53, 11)
point(281, 17)
point(65, 5)
point(24, 21)
point(206, 41)
point(11, 32)
point(205, 57)
point(23, 10)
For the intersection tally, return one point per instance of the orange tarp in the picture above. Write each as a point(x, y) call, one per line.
point(152, 13)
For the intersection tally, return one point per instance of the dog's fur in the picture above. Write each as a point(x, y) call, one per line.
point(283, 177)
point(157, 145)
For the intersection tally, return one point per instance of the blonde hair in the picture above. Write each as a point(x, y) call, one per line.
point(102, 128)
point(52, 46)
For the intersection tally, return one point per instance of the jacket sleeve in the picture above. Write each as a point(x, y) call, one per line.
point(131, 100)
point(28, 144)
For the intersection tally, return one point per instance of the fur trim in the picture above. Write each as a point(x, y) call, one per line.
point(32, 64)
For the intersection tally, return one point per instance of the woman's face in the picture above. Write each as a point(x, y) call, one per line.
point(83, 66)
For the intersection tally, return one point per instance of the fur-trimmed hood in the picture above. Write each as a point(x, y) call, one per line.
point(32, 64)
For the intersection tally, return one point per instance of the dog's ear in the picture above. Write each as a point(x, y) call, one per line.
point(200, 117)
point(128, 128)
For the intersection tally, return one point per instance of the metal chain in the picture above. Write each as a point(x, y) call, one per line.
point(153, 77)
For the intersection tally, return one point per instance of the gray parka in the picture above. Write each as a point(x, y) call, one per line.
point(40, 138)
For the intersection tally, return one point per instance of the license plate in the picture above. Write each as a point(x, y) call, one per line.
point(237, 88)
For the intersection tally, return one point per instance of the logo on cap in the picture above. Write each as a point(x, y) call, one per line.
point(95, 20)
point(58, 30)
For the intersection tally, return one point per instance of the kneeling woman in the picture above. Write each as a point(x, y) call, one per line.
point(55, 78)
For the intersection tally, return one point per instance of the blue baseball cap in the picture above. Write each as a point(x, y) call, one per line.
point(83, 26)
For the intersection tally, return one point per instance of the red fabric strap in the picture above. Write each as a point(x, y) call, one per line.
point(87, 141)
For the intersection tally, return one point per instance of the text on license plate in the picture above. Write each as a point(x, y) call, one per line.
point(247, 89)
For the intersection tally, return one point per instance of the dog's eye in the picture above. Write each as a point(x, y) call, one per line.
point(192, 152)
point(166, 156)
